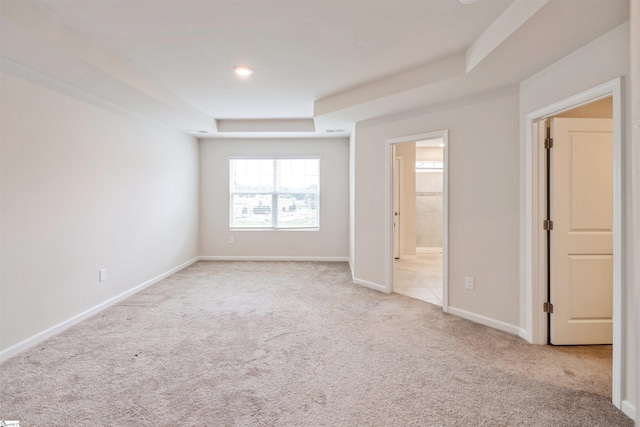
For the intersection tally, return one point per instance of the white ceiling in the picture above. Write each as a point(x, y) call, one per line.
point(317, 63)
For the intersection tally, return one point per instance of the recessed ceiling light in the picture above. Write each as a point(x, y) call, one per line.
point(467, 1)
point(242, 70)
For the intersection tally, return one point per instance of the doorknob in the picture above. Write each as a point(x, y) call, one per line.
point(395, 213)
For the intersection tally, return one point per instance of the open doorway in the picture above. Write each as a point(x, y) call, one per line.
point(419, 227)
point(592, 157)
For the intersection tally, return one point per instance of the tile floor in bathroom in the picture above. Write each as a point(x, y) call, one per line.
point(420, 278)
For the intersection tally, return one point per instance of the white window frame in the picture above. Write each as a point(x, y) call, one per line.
point(273, 226)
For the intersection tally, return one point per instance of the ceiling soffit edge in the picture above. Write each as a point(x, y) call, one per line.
point(265, 125)
point(64, 41)
point(474, 98)
point(454, 66)
point(431, 73)
point(501, 29)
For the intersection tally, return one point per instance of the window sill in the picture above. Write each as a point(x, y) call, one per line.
point(275, 229)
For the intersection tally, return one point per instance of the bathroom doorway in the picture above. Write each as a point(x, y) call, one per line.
point(419, 264)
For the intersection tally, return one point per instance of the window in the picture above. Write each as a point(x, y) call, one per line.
point(429, 166)
point(274, 193)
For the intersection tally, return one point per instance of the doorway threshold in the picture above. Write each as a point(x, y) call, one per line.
point(420, 278)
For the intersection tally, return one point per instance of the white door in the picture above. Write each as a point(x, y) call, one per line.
point(397, 166)
point(581, 208)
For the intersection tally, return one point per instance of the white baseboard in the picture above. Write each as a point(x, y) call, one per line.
point(629, 409)
point(48, 333)
point(353, 272)
point(273, 258)
point(487, 321)
point(370, 285)
point(428, 250)
point(524, 335)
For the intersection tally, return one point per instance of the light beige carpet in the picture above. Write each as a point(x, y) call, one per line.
point(297, 344)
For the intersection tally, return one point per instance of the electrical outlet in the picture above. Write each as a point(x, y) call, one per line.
point(102, 275)
point(231, 239)
point(468, 283)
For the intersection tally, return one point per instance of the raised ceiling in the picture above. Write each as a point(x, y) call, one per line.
point(318, 64)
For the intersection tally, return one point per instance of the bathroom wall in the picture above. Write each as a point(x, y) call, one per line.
point(429, 203)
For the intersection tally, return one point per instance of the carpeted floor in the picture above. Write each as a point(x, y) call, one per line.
point(297, 344)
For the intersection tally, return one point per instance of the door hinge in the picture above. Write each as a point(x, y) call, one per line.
point(547, 307)
point(548, 143)
point(547, 225)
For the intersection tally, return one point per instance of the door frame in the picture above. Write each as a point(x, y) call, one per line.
point(534, 255)
point(388, 232)
point(398, 172)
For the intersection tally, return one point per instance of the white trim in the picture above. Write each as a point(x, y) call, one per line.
point(276, 157)
point(352, 198)
point(273, 195)
point(445, 227)
point(366, 283)
point(273, 258)
point(275, 229)
point(486, 321)
point(48, 333)
point(371, 285)
point(634, 152)
point(535, 295)
point(628, 409)
point(351, 268)
point(522, 333)
point(388, 230)
point(399, 161)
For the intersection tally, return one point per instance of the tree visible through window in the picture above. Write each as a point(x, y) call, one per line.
point(274, 193)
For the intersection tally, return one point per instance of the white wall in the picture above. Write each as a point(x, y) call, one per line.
point(604, 59)
point(82, 189)
point(483, 201)
point(331, 241)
